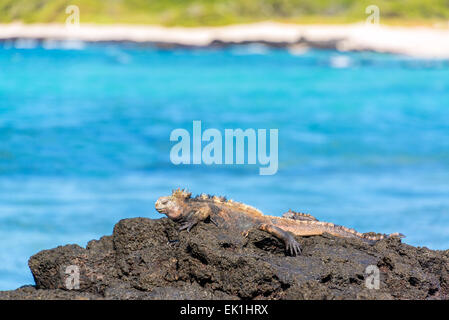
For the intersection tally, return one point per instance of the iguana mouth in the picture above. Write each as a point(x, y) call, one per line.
point(160, 206)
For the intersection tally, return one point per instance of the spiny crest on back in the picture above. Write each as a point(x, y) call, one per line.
point(229, 203)
point(181, 194)
point(290, 214)
point(208, 197)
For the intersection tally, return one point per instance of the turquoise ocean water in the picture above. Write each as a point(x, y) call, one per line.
point(363, 139)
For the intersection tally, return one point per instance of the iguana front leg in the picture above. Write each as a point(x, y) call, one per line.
point(291, 245)
point(193, 217)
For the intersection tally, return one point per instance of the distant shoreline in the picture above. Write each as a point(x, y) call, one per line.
point(420, 42)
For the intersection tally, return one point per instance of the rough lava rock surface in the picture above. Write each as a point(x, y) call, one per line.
point(150, 259)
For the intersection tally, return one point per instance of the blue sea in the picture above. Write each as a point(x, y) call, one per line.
point(84, 129)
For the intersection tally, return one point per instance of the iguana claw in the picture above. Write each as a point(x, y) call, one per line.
point(213, 221)
point(292, 247)
point(188, 225)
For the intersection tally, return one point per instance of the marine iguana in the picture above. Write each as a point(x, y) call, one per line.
point(188, 211)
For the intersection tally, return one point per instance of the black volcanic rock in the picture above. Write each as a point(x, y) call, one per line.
point(150, 259)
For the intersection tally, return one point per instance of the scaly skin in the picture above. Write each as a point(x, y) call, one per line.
point(188, 211)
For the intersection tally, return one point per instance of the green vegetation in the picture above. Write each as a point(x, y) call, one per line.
point(220, 12)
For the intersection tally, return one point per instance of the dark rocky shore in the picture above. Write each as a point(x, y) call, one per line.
point(150, 259)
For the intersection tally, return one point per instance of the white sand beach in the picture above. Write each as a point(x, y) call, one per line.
point(423, 42)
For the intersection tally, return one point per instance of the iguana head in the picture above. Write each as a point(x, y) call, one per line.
point(173, 206)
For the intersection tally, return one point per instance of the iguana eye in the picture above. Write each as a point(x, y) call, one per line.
point(164, 200)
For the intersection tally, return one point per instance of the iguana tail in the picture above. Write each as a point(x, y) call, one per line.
point(341, 231)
